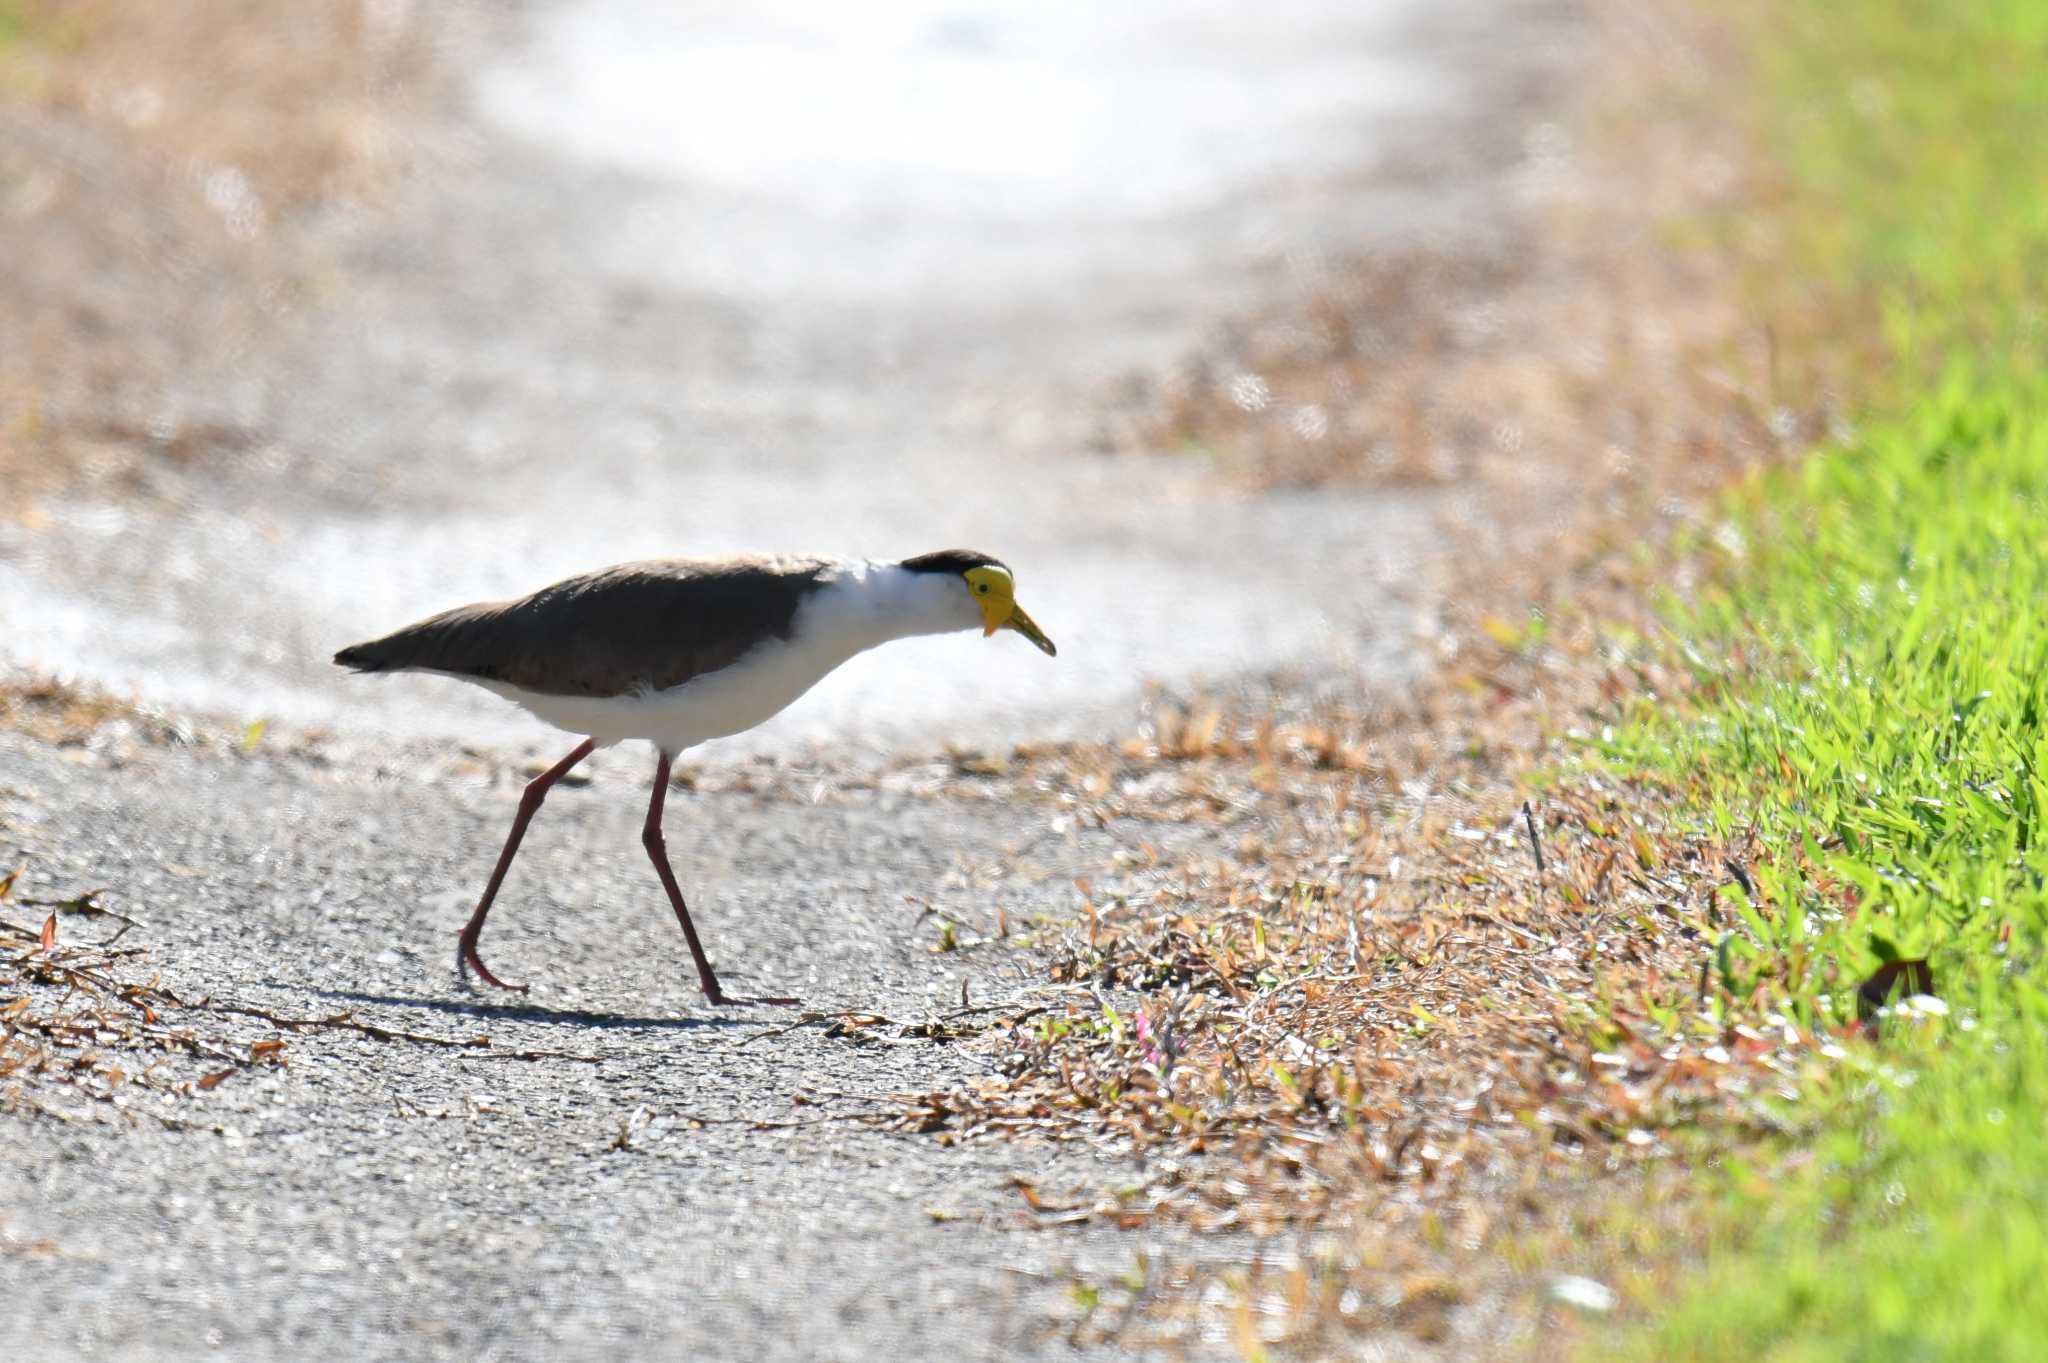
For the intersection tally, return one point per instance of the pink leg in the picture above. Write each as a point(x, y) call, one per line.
point(466, 957)
point(657, 851)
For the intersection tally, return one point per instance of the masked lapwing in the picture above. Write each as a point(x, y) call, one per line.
point(680, 651)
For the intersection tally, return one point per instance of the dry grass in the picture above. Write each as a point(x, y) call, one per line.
point(62, 715)
point(58, 1051)
point(1592, 360)
point(157, 165)
point(89, 1031)
point(85, 1033)
point(1361, 1017)
point(1363, 1011)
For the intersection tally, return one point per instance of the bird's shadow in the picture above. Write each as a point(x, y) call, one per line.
point(529, 1012)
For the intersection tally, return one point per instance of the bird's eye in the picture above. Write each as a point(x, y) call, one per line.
point(983, 589)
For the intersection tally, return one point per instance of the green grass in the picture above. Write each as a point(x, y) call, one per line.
point(1915, 1234)
point(1884, 732)
point(1875, 667)
point(1908, 137)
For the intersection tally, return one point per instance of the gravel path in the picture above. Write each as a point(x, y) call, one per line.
point(578, 347)
point(419, 1202)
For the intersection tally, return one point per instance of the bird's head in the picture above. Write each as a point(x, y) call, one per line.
point(989, 587)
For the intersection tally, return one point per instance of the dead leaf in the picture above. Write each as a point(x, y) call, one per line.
point(213, 1080)
point(1600, 876)
point(49, 938)
point(1038, 1204)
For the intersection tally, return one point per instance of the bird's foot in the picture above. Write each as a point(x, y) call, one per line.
point(467, 959)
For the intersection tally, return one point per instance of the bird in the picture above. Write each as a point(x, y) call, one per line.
point(680, 651)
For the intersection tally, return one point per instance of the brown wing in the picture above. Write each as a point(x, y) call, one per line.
point(639, 626)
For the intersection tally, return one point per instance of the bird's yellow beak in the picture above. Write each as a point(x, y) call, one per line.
point(1027, 627)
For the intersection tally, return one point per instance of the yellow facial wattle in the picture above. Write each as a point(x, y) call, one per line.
point(997, 595)
point(996, 592)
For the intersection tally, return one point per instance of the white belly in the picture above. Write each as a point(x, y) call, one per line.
point(729, 701)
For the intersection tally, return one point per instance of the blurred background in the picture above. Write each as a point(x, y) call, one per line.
point(322, 316)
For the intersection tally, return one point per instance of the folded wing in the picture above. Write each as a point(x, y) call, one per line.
point(618, 631)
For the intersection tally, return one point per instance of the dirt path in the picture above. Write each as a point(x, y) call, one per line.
point(581, 345)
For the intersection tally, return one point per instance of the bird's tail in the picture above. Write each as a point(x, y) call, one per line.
point(367, 657)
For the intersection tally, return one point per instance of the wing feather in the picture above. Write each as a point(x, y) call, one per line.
point(618, 631)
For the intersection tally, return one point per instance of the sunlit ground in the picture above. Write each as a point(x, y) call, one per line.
point(1453, 813)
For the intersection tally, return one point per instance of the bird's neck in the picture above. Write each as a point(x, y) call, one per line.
point(869, 603)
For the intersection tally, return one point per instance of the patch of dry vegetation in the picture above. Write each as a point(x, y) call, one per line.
point(1375, 1014)
point(90, 1031)
point(66, 716)
point(1606, 357)
point(1411, 996)
point(85, 1029)
point(156, 165)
